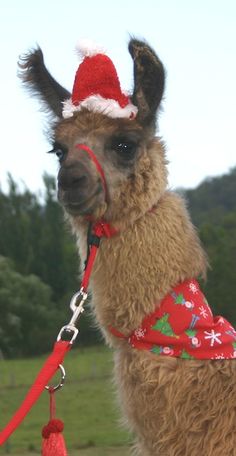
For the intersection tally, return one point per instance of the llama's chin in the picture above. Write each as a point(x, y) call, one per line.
point(76, 204)
point(76, 210)
point(89, 207)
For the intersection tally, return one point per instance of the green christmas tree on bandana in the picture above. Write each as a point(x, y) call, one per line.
point(186, 355)
point(156, 349)
point(163, 326)
point(191, 333)
point(179, 299)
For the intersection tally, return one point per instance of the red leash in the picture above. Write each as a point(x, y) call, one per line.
point(61, 347)
point(97, 231)
point(46, 373)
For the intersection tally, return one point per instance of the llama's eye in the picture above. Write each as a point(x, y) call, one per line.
point(59, 151)
point(126, 149)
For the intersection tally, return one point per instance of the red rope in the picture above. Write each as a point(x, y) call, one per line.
point(46, 373)
point(96, 162)
point(100, 229)
point(52, 407)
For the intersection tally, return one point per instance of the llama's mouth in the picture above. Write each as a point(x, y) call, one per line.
point(84, 207)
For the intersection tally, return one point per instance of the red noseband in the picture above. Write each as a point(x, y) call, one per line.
point(97, 164)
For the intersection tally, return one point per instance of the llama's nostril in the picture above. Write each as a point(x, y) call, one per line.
point(69, 179)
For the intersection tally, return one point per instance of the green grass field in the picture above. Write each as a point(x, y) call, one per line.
point(101, 451)
point(86, 404)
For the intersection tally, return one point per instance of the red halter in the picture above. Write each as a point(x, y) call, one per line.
point(98, 229)
point(97, 164)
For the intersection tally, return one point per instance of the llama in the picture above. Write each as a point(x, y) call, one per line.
point(178, 401)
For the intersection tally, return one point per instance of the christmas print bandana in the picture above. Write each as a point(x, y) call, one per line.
point(183, 326)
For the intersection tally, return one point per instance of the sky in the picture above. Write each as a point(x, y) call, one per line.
point(195, 39)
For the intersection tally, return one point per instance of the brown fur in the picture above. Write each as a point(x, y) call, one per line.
point(175, 407)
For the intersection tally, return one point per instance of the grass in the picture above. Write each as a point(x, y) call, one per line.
point(86, 404)
point(107, 451)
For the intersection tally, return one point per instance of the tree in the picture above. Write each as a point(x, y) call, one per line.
point(27, 313)
point(34, 236)
point(220, 243)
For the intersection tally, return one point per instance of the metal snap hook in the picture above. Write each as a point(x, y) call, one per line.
point(59, 385)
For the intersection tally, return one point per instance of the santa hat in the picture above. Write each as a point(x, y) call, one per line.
point(97, 86)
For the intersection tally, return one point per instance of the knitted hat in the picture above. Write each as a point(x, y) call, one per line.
point(97, 86)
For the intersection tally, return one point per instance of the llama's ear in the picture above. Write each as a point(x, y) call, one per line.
point(40, 83)
point(149, 81)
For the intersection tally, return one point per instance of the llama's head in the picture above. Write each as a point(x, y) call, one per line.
point(111, 164)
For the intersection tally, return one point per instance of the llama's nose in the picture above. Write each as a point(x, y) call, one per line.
point(73, 178)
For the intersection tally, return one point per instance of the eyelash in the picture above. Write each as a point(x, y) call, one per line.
point(59, 151)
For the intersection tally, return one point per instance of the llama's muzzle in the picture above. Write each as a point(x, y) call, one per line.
point(80, 190)
point(93, 157)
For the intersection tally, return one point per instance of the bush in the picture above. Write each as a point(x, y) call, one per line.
point(27, 313)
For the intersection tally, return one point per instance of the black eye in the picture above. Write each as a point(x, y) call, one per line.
point(126, 149)
point(59, 151)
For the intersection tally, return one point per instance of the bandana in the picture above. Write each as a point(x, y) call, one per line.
point(183, 326)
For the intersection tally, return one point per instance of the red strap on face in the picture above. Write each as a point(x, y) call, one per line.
point(96, 162)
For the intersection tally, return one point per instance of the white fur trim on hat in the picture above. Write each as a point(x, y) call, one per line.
point(87, 48)
point(96, 103)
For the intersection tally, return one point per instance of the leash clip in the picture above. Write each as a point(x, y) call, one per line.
point(77, 309)
point(73, 302)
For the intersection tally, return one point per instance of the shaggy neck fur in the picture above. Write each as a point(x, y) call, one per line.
point(163, 243)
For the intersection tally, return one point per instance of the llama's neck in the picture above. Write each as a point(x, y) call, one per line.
point(135, 269)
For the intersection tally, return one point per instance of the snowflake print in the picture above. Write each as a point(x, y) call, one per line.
point(203, 312)
point(219, 356)
point(214, 337)
point(139, 333)
point(207, 305)
point(193, 288)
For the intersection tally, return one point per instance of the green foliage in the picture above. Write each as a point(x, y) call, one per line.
point(213, 209)
point(220, 243)
point(213, 198)
point(44, 266)
point(32, 233)
point(27, 313)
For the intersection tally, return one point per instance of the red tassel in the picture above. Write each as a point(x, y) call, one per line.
point(53, 440)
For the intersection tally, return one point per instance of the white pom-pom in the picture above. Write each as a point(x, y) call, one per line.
point(87, 48)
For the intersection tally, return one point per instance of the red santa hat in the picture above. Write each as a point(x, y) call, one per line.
point(97, 86)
